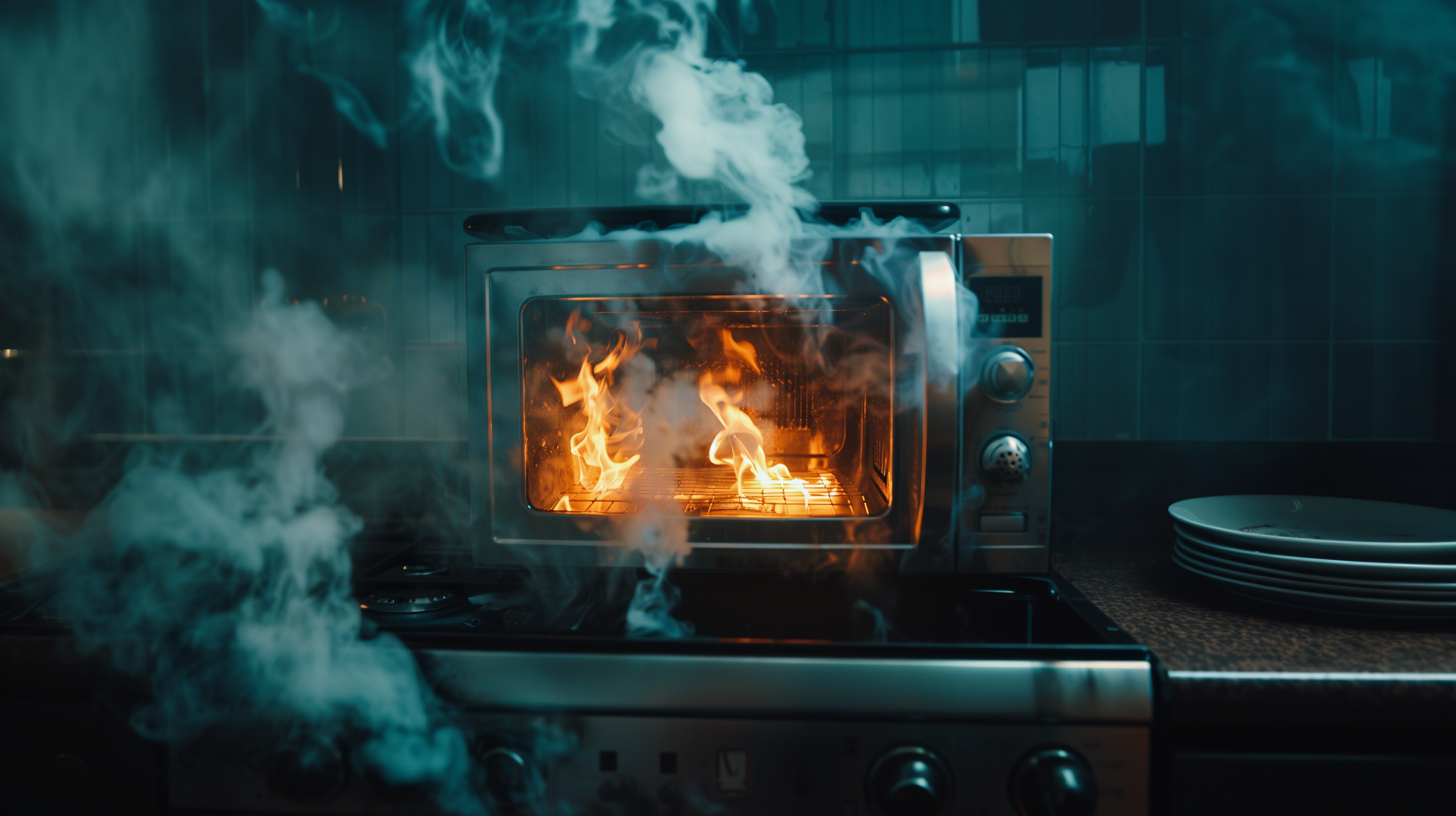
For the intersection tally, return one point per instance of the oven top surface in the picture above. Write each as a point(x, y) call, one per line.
point(442, 600)
point(854, 612)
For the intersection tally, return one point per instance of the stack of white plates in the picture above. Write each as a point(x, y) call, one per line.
point(1335, 555)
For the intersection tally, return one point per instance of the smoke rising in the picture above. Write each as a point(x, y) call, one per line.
point(229, 588)
point(721, 133)
point(309, 32)
point(224, 579)
point(218, 572)
point(1382, 103)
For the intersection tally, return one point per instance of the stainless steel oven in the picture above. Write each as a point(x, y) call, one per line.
point(869, 408)
point(865, 407)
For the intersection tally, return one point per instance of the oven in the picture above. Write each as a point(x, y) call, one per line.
point(620, 389)
point(868, 407)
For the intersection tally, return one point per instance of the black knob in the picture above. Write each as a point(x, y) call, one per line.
point(909, 781)
point(1053, 782)
point(70, 779)
point(310, 770)
point(507, 776)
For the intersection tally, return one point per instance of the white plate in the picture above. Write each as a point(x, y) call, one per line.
point(1352, 529)
point(1253, 575)
point(1323, 602)
point(1329, 567)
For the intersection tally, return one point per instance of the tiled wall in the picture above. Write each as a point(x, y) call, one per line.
point(1250, 199)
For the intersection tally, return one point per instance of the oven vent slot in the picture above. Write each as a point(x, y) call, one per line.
point(793, 400)
point(877, 431)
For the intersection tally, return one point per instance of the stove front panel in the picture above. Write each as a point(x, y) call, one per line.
point(584, 763)
point(833, 767)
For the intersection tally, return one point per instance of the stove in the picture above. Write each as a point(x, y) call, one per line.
point(838, 500)
point(798, 693)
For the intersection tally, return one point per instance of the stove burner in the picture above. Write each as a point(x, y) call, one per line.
point(411, 601)
point(422, 569)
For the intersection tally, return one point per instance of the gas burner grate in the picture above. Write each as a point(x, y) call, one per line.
point(714, 492)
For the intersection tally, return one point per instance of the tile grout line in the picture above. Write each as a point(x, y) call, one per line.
point(1334, 233)
point(1142, 233)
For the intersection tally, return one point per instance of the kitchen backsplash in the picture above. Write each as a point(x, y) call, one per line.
point(1251, 201)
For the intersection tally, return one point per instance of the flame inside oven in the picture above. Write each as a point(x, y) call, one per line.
point(719, 406)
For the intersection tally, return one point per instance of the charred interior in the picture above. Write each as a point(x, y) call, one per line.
point(708, 406)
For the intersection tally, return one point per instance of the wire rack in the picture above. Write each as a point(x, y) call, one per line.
point(714, 492)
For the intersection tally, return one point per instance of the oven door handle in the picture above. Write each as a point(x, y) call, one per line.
point(941, 371)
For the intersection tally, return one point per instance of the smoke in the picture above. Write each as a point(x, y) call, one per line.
point(718, 124)
point(1276, 99)
point(880, 628)
point(455, 66)
point(218, 572)
point(661, 535)
point(720, 132)
point(228, 588)
point(224, 579)
point(311, 32)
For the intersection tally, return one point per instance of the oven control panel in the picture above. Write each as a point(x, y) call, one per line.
point(665, 765)
point(1006, 418)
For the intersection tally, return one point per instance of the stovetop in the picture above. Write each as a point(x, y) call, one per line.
point(418, 595)
point(440, 598)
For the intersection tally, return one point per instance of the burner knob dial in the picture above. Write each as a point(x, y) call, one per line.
point(1053, 782)
point(1007, 374)
point(308, 770)
point(909, 781)
point(507, 776)
point(1006, 458)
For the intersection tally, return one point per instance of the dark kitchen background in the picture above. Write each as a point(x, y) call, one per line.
point(1251, 203)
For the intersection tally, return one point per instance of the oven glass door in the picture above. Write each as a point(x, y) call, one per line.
point(609, 381)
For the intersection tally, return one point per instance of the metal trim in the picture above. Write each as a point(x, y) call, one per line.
point(997, 690)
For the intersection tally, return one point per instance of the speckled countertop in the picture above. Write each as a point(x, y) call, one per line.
point(1230, 659)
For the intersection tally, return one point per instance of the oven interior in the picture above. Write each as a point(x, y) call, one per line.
point(721, 406)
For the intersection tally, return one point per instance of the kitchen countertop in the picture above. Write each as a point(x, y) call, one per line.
point(1229, 660)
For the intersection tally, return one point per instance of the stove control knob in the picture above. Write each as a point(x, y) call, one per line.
point(1006, 458)
point(1053, 782)
point(1007, 374)
point(507, 776)
point(909, 781)
point(308, 770)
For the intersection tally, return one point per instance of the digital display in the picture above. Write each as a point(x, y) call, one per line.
point(1008, 306)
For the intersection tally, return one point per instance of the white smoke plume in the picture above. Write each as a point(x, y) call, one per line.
point(718, 124)
point(217, 573)
point(231, 588)
point(721, 132)
point(233, 596)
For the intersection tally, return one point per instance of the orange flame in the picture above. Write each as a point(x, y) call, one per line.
point(602, 453)
point(576, 323)
point(740, 443)
point(610, 429)
point(743, 351)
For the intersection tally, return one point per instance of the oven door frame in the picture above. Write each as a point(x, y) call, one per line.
point(915, 531)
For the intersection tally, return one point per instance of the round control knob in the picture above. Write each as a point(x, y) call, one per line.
point(309, 770)
point(1007, 374)
point(909, 781)
point(70, 779)
point(1053, 782)
point(1006, 458)
point(507, 777)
